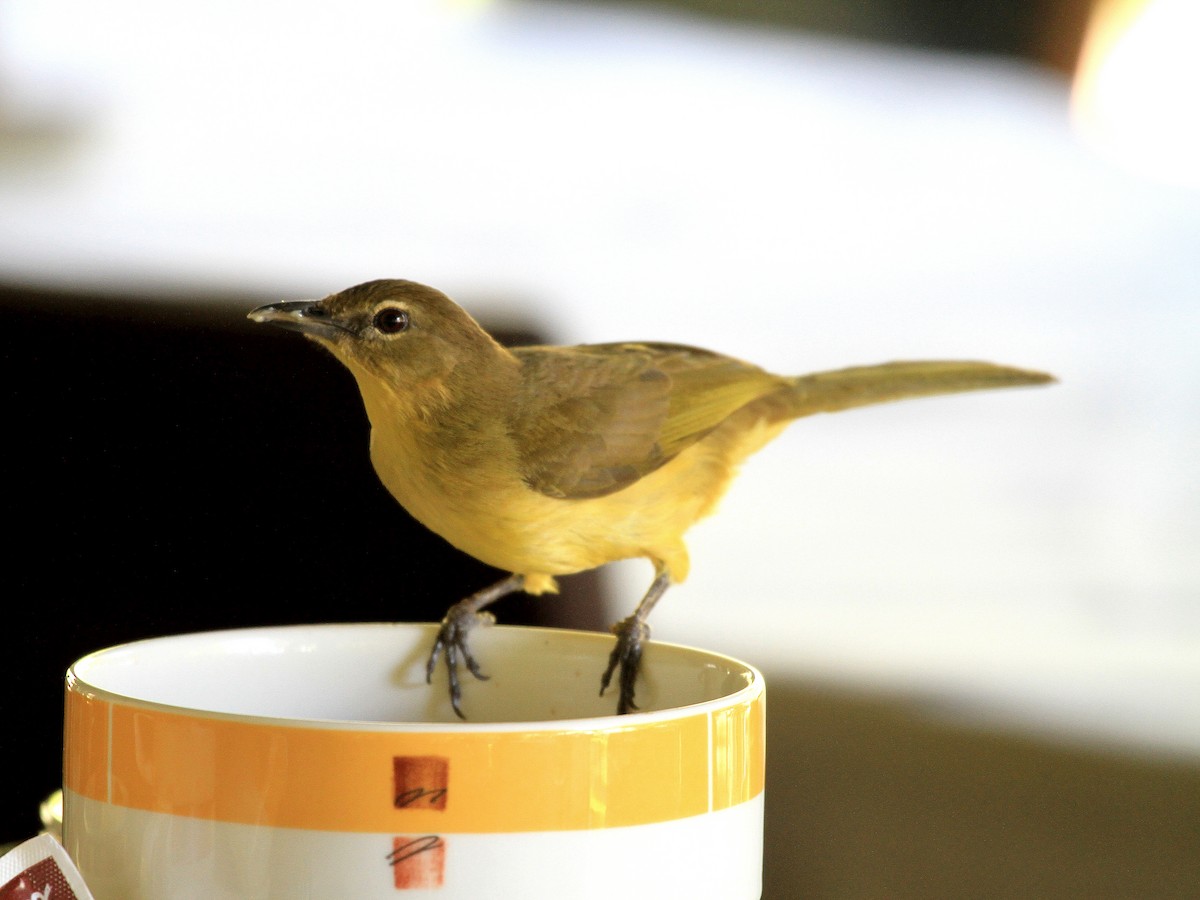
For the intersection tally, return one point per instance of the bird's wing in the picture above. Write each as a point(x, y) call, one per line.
point(594, 419)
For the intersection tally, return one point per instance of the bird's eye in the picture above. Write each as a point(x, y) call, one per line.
point(391, 320)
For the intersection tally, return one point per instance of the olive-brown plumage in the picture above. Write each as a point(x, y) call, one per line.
point(543, 461)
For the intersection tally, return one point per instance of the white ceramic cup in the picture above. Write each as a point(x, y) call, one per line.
point(314, 761)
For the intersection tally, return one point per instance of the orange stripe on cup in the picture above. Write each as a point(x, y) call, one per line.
point(85, 737)
point(464, 781)
point(738, 749)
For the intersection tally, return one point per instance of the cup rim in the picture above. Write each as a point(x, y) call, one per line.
point(77, 682)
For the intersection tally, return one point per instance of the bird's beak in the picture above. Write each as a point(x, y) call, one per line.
point(306, 316)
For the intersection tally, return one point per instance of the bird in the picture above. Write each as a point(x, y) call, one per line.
point(543, 461)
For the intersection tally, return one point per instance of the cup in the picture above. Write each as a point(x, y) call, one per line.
point(314, 761)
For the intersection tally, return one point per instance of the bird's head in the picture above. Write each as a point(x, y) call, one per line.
point(399, 332)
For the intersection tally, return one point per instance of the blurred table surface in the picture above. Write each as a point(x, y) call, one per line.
point(1026, 556)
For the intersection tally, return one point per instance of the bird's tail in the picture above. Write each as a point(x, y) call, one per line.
point(863, 385)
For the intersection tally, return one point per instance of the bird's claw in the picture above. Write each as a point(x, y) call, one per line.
point(452, 639)
point(631, 634)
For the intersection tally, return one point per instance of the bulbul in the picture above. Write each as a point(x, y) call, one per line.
point(543, 461)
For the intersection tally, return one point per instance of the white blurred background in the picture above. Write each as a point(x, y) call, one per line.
point(1027, 559)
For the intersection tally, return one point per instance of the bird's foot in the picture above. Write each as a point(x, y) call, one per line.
point(626, 656)
point(452, 640)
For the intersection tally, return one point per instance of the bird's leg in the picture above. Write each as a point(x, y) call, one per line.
point(631, 633)
point(452, 636)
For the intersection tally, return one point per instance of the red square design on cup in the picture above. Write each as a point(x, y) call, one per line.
point(420, 782)
point(418, 861)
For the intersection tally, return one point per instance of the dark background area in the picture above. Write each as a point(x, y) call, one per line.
point(1046, 31)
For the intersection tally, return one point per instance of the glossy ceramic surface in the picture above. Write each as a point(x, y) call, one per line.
point(289, 762)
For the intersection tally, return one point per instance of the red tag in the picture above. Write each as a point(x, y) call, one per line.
point(43, 880)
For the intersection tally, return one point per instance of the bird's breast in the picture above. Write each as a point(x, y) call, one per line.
point(467, 488)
